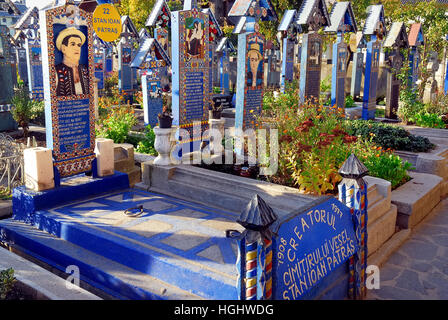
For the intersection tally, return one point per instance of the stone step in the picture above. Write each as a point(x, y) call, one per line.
point(160, 243)
point(378, 210)
point(229, 192)
point(381, 230)
point(107, 275)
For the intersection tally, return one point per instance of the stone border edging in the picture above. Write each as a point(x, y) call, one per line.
point(42, 283)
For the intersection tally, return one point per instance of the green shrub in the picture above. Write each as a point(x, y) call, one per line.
point(315, 142)
point(429, 120)
point(409, 106)
point(389, 167)
point(7, 281)
point(117, 124)
point(147, 144)
point(5, 193)
point(389, 136)
point(24, 109)
point(349, 102)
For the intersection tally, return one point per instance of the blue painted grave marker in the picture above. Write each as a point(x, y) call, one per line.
point(290, 31)
point(223, 51)
point(190, 67)
point(152, 61)
point(357, 44)
point(342, 21)
point(69, 101)
point(314, 14)
point(6, 79)
point(251, 52)
point(396, 41)
point(22, 67)
point(29, 24)
point(126, 53)
point(416, 40)
point(375, 28)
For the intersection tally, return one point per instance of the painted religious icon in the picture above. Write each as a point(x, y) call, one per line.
point(342, 61)
point(255, 65)
point(72, 76)
point(163, 40)
point(195, 36)
point(315, 53)
point(376, 58)
point(126, 59)
point(35, 54)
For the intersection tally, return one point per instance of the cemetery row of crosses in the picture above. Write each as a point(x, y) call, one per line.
point(313, 98)
point(323, 66)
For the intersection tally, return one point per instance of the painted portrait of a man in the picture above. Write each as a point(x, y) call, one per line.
point(72, 78)
point(255, 66)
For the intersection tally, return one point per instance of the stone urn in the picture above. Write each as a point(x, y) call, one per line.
point(164, 145)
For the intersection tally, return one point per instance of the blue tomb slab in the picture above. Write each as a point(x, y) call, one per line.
point(178, 242)
point(26, 202)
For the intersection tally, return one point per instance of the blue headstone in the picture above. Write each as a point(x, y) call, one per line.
point(190, 68)
point(152, 61)
point(314, 14)
point(359, 43)
point(69, 104)
point(416, 39)
point(6, 80)
point(251, 52)
point(289, 30)
point(342, 21)
point(224, 49)
point(375, 28)
point(396, 41)
point(126, 53)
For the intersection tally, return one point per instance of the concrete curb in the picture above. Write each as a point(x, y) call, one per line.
point(42, 283)
point(416, 199)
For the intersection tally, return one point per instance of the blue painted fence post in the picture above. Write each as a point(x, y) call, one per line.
point(255, 251)
point(353, 193)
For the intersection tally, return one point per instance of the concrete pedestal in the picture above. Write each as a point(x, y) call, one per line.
point(104, 150)
point(38, 165)
point(163, 145)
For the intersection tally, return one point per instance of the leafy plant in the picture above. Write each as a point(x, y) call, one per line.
point(349, 102)
point(24, 109)
point(7, 281)
point(389, 167)
point(429, 120)
point(315, 142)
point(147, 144)
point(325, 85)
point(117, 124)
point(5, 193)
point(389, 136)
point(409, 106)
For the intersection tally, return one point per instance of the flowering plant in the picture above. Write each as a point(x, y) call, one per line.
point(314, 143)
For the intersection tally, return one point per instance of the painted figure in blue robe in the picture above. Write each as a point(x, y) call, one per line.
point(255, 70)
point(72, 77)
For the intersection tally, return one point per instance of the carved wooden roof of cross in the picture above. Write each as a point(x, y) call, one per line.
point(397, 36)
point(314, 13)
point(160, 15)
point(258, 9)
point(342, 18)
